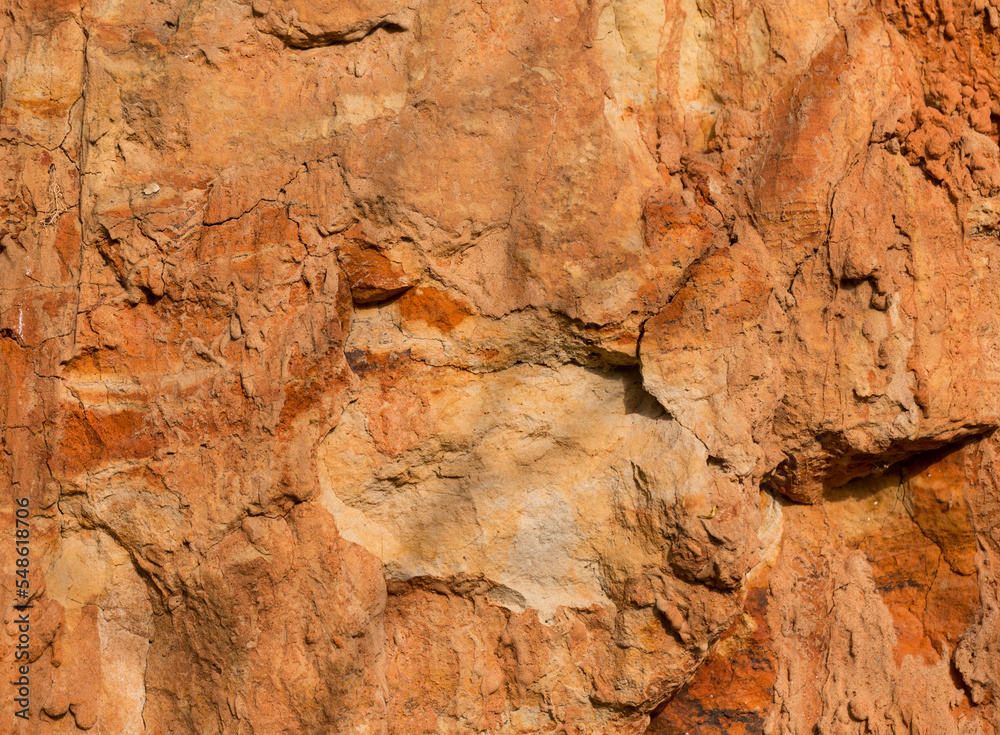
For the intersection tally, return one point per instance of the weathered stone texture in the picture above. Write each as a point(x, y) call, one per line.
point(502, 367)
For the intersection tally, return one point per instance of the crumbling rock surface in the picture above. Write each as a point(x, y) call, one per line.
point(875, 616)
point(502, 367)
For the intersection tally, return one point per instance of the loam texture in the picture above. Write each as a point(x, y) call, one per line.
point(509, 367)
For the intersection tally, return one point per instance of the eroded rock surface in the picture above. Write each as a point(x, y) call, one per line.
point(412, 367)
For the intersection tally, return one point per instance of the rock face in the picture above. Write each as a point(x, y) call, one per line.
point(873, 617)
point(501, 367)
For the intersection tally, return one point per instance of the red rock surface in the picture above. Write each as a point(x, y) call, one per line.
point(500, 367)
point(865, 620)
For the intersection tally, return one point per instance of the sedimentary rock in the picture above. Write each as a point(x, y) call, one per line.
point(875, 616)
point(384, 367)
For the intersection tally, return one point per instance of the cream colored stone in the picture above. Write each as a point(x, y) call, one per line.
point(526, 477)
point(92, 570)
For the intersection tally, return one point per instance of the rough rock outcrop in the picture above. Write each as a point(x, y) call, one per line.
point(501, 367)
